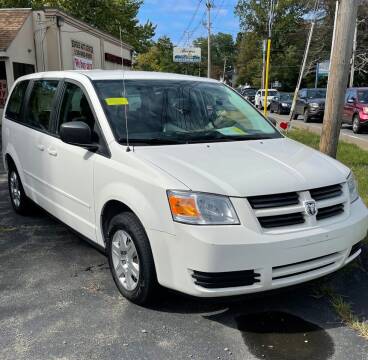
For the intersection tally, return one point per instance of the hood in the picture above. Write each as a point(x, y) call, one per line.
point(246, 168)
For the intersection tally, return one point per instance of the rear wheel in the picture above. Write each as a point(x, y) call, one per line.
point(19, 200)
point(356, 124)
point(130, 258)
point(295, 116)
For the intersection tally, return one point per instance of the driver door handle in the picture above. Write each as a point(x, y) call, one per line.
point(52, 152)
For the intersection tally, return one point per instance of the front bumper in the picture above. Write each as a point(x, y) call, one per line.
point(316, 112)
point(280, 259)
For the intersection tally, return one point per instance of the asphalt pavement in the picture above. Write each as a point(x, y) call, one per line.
point(58, 301)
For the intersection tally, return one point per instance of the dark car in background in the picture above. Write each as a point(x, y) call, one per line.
point(249, 94)
point(311, 104)
point(356, 109)
point(281, 104)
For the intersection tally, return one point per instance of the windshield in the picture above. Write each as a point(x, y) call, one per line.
point(316, 93)
point(285, 96)
point(170, 111)
point(249, 92)
point(270, 93)
point(363, 96)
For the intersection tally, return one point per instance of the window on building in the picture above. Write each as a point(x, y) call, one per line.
point(3, 85)
point(39, 108)
point(14, 108)
point(21, 69)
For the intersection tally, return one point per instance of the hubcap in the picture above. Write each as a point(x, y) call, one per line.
point(355, 124)
point(125, 260)
point(15, 188)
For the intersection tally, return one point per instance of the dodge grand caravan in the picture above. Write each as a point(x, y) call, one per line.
point(181, 181)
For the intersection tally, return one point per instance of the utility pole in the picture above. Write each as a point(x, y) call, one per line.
point(209, 6)
point(338, 77)
point(352, 67)
point(223, 74)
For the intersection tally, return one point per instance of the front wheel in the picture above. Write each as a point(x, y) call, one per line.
point(130, 258)
point(19, 200)
point(306, 117)
point(356, 124)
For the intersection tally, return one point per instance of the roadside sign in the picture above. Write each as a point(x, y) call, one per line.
point(187, 55)
point(323, 68)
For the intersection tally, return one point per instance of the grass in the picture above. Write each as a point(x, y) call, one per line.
point(343, 309)
point(349, 154)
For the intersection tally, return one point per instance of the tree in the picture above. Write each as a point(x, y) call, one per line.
point(222, 46)
point(107, 15)
point(289, 27)
point(159, 57)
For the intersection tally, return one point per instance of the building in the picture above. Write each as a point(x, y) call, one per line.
point(49, 39)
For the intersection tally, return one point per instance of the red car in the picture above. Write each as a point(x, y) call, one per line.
point(356, 108)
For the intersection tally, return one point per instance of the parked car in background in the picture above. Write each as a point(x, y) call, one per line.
point(281, 104)
point(249, 94)
point(356, 108)
point(311, 104)
point(259, 98)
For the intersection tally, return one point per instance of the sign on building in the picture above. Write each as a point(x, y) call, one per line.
point(187, 55)
point(82, 55)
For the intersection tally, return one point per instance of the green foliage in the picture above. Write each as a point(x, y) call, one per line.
point(107, 15)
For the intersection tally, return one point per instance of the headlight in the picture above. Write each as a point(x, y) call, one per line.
point(365, 109)
point(284, 104)
point(314, 105)
point(201, 209)
point(353, 187)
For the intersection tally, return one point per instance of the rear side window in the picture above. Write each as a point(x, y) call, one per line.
point(39, 107)
point(14, 108)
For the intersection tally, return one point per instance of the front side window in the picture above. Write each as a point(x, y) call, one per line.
point(316, 93)
point(39, 108)
point(13, 110)
point(363, 96)
point(75, 107)
point(169, 111)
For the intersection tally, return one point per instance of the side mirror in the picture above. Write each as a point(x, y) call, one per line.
point(77, 133)
point(276, 98)
point(351, 100)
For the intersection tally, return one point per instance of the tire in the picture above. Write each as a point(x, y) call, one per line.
point(271, 110)
point(19, 200)
point(295, 116)
point(130, 259)
point(279, 110)
point(306, 117)
point(356, 125)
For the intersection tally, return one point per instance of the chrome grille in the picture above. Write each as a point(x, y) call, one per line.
point(326, 192)
point(287, 209)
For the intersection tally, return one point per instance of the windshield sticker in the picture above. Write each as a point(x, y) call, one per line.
point(231, 131)
point(116, 101)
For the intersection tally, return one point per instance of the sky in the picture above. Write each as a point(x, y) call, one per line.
point(174, 17)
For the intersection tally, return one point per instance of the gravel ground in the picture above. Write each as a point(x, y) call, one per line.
point(58, 301)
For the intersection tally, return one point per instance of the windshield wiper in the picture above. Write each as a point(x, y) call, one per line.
point(151, 141)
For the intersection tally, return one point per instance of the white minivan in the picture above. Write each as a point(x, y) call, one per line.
point(180, 180)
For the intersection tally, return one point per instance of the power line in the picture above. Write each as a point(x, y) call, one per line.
point(190, 22)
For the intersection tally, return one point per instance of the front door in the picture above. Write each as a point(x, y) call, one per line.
point(70, 168)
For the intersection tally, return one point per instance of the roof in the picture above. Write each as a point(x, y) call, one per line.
point(139, 75)
point(11, 21)
point(118, 75)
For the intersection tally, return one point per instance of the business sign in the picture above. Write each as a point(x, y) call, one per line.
point(82, 55)
point(187, 55)
point(3, 93)
point(81, 63)
point(323, 68)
